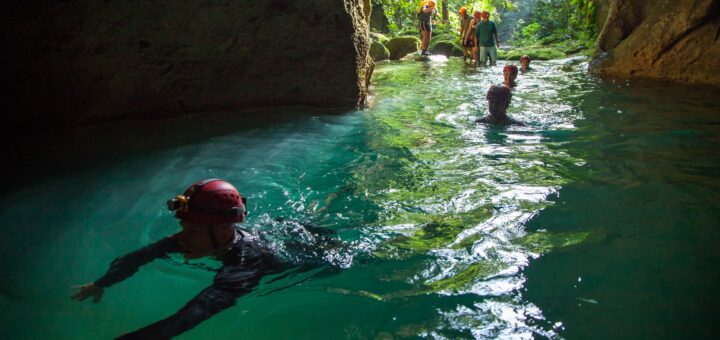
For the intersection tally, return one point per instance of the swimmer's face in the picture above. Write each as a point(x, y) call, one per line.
point(509, 76)
point(485, 16)
point(195, 241)
point(525, 63)
point(497, 106)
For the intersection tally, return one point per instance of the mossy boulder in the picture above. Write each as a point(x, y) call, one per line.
point(378, 51)
point(444, 37)
point(402, 46)
point(446, 48)
point(535, 53)
point(379, 37)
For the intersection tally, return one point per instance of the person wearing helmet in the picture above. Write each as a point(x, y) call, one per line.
point(469, 35)
point(486, 39)
point(464, 24)
point(499, 97)
point(525, 63)
point(425, 14)
point(510, 73)
point(209, 211)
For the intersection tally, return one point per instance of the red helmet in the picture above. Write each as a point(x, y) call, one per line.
point(500, 92)
point(210, 201)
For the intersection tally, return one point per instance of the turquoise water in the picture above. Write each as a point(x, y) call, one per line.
point(600, 219)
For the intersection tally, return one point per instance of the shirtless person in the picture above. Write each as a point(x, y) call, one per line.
point(498, 97)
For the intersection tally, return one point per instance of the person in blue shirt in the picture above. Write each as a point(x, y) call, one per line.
point(486, 39)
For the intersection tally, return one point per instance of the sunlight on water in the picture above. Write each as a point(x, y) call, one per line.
point(407, 219)
point(460, 193)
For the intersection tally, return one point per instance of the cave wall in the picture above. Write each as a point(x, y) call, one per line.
point(676, 41)
point(87, 60)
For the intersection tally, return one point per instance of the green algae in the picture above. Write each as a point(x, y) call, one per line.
point(472, 274)
point(436, 231)
point(543, 242)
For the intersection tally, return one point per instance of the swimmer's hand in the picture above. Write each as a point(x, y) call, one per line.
point(87, 290)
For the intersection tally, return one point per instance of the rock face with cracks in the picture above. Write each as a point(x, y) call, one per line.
point(81, 60)
point(676, 41)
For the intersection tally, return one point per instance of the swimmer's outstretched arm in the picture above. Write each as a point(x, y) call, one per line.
point(124, 267)
point(230, 283)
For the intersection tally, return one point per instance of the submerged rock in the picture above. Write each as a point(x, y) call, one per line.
point(402, 46)
point(82, 60)
point(665, 40)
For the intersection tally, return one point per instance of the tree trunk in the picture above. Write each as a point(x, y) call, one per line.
point(445, 17)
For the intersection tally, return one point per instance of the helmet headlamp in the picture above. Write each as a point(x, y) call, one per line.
point(179, 203)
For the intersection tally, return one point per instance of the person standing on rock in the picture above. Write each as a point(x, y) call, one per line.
point(464, 24)
point(426, 12)
point(469, 35)
point(486, 39)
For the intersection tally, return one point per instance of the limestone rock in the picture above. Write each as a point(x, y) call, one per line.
point(676, 41)
point(402, 46)
point(85, 60)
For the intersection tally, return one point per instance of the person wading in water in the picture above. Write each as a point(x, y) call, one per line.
point(498, 97)
point(525, 63)
point(486, 39)
point(469, 36)
point(510, 73)
point(464, 24)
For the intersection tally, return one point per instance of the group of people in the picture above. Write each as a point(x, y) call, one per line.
point(480, 43)
point(499, 96)
point(210, 210)
point(479, 37)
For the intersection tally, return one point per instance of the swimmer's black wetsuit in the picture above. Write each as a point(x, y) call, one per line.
point(244, 264)
point(490, 119)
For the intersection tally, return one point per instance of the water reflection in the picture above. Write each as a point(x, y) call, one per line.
point(474, 188)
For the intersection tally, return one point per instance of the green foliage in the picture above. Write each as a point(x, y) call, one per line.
point(566, 26)
point(402, 18)
point(529, 33)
